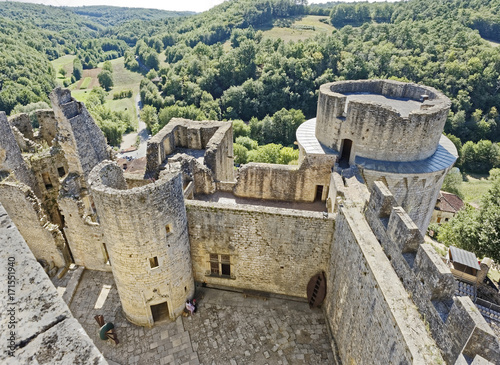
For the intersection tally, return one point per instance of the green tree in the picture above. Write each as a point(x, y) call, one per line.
point(77, 69)
point(288, 156)
point(247, 142)
point(108, 66)
point(453, 182)
point(269, 153)
point(150, 117)
point(240, 153)
point(240, 129)
point(105, 79)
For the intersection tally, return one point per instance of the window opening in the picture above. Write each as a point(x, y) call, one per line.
point(60, 171)
point(46, 180)
point(153, 262)
point(346, 153)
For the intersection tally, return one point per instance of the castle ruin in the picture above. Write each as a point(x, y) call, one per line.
point(374, 159)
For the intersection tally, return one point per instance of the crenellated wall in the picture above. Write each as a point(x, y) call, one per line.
point(455, 323)
point(145, 230)
point(270, 249)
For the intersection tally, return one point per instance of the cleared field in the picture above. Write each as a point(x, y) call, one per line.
point(123, 79)
point(65, 62)
point(85, 83)
point(474, 188)
point(294, 33)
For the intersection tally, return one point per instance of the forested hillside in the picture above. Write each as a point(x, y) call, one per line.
point(226, 64)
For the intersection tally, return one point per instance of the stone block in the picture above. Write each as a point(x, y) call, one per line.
point(403, 231)
point(434, 274)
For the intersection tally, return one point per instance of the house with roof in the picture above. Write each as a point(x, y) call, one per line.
point(447, 205)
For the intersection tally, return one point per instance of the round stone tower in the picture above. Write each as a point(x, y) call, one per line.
point(145, 230)
point(391, 131)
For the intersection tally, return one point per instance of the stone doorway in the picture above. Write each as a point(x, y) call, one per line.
point(346, 153)
point(159, 311)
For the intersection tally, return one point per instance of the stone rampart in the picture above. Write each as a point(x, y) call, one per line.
point(23, 123)
point(381, 129)
point(371, 317)
point(48, 125)
point(267, 249)
point(455, 324)
point(35, 320)
point(145, 230)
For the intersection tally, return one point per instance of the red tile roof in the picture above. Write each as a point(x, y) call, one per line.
point(448, 202)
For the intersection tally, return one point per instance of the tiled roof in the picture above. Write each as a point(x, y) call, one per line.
point(449, 202)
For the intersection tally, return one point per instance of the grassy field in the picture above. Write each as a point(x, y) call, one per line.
point(294, 34)
point(474, 188)
point(86, 83)
point(65, 62)
point(123, 79)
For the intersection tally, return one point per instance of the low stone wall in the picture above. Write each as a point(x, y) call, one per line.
point(48, 125)
point(270, 249)
point(285, 182)
point(37, 326)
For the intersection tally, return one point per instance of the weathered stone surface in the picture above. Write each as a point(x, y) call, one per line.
point(139, 225)
point(34, 317)
point(271, 249)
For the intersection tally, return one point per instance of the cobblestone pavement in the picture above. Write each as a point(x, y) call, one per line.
point(227, 329)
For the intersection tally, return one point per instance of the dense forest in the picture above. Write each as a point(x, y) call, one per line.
point(227, 64)
point(221, 65)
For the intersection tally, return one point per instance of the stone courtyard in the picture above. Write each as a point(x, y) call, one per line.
point(228, 328)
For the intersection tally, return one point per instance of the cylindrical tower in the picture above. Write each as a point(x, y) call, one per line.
point(145, 230)
point(392, 131)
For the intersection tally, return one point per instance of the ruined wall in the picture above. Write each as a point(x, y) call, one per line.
point(285, 182)
point(455, 323)
point(371, 317)
point(49, 166)
point(215, 137)
point(371, 125)
point(11, 159)
point(145, 229)
point(23, 123)
point(44, 239)
point(83, 142)
point(270, 249)
point(37, 326)
point(47, 125)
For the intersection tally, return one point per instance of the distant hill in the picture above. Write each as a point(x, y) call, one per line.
point(113, 15)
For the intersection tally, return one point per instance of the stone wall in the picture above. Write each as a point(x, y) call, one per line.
point(378, 131)
point(416, 193)
point(270, 249)
point(214, 137)
point(145, 230)
point(23, 123)
point(35, 320)
point(455, 323)
point(44, 239)
point(371, 317)
point(83, 142)
point(11, 159)
point(285, 182)
point(47, 125)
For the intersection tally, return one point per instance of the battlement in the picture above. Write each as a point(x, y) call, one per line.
point(454, 322)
